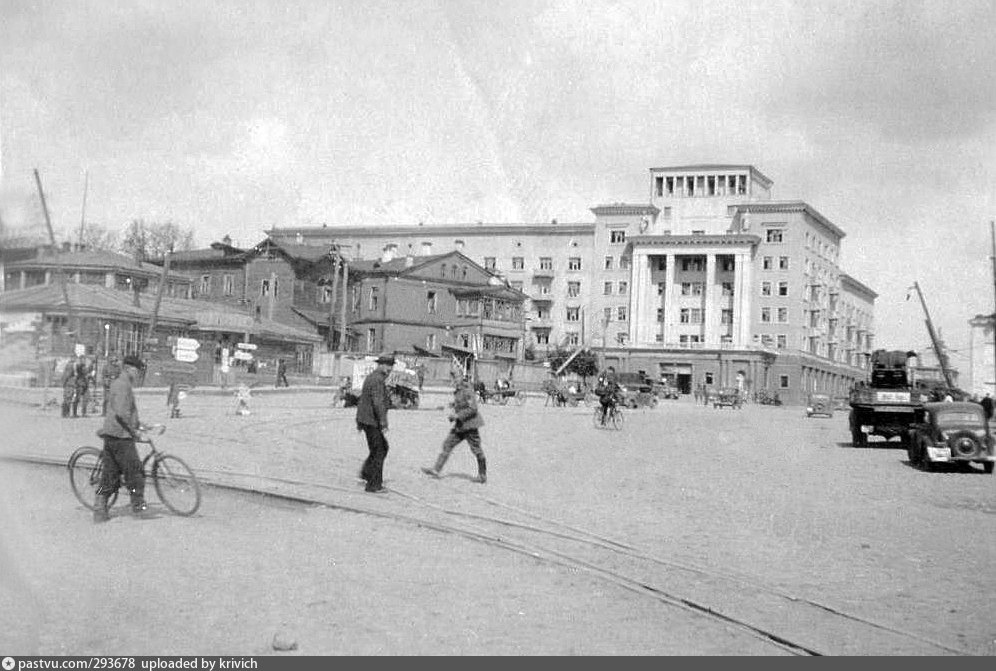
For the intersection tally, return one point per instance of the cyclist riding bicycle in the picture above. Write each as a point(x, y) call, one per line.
point(607, 391)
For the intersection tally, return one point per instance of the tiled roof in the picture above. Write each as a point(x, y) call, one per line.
point(88, 299)
point(81, 260)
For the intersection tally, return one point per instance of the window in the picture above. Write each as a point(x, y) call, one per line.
point(765, 288)
point(442, 270)
point(695, 264)
point(726, 316)
point(489, 263)
point(573, 314)
point(542, 313)
point(661, 263)
point(573, 289)
point(623, 288)
point(430, 341)
point(659, 185)
point(617, 237)
point(622, 338)
point(607, 289)
point(690, 316)
point(667, 213)
point(607, 315)
point(264, 287)
point(543, 338)
point(621, 313)
point(766, 263)
point(774, 235)
point(783, 315)
point(574, 263)
point(518, 263)
point(624, 262)
point(698, 232)
point(783, 263)
point(728, 265)
point(325, 294)
point(463, 272)
point(430, 303)
point(572, 338)
point(783, 288)
point(782, 341)
point(766, 315)
point(692, 288)
point(727, 288)
point(544, 289)
point(355, 299)
point(660, 315)
point(205, 285)
point(228, 284)
point(608, 263)
point(766, 340)
point(783, 381)
point(546, 263)
point(684, 316)
point(661, 287)
point(371, 339)
point(374, 298)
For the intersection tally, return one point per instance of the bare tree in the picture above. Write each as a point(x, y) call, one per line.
point(100, 238)
point(152, 240)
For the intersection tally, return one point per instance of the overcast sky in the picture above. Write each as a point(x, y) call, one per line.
point(232, 117)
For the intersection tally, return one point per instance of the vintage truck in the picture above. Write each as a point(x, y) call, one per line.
point(888, 404)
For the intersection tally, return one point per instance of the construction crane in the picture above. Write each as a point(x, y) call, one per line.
point(942, 358)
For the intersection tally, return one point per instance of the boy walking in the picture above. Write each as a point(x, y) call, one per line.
point(467, 422)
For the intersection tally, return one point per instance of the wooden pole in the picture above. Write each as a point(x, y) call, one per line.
point(992, 229)
point(159, 296)
point(86, 185)
point(342, 308)
point(58, 266)
point(334, 261)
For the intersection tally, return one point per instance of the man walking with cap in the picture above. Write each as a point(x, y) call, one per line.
point(371, 419)
point(121, 428)
point(467, 422)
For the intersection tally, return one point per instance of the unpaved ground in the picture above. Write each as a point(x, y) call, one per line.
point(762, 494)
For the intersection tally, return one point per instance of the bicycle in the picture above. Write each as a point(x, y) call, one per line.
point(174, 482)
point(613, 417)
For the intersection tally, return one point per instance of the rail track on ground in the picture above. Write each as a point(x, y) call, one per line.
point(788, 622)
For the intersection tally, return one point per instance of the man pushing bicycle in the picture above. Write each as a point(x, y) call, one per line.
point(121, 429)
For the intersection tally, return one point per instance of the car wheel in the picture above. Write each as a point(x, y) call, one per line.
point(858, 439)
point(963, 444)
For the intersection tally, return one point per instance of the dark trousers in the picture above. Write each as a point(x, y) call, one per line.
point(373, 467)
point(454, 438)
point(120, 460)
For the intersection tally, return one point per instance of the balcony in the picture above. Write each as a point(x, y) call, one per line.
point(542, 298)
point(543, 272)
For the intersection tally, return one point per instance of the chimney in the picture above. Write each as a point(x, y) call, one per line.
point(227, 240)
point(389, 252)
point(426, 248)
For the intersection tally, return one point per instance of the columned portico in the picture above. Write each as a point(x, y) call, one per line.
point(692, 317)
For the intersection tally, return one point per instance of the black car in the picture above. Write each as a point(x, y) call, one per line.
point(951, 432)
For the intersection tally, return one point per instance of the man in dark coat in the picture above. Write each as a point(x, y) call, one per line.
point(987, 406)
point(467, 422)
point(120, 456)
point(371, 419)
point(68, 387)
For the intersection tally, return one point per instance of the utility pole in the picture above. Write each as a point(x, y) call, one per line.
point(334, 263)
point(159, 297)
point(342, 313)
point(58, 266)
point(86, 184)
point(992, 229)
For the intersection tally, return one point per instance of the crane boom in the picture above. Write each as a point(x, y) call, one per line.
point(941, 358)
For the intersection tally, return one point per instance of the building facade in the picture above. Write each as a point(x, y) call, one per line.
point(709, 282)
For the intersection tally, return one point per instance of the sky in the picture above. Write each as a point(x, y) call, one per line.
point(231, 117)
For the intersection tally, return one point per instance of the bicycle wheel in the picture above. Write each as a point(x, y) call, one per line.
point(597, 418)
point(176, 485)
point(85, 469)
point(616, 419)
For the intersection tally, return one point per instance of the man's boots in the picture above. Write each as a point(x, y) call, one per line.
point(100, 512)
point(440, 462)
point(138, 506)
point(482, 470)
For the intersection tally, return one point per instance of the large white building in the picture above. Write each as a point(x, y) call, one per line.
point(709, 282)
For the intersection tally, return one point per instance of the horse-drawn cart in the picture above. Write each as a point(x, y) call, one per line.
point(500, 395)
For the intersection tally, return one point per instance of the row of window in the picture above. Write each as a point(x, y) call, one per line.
point(768, 263)
point(624, 262)
point(519, 263)
point(701, 185)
